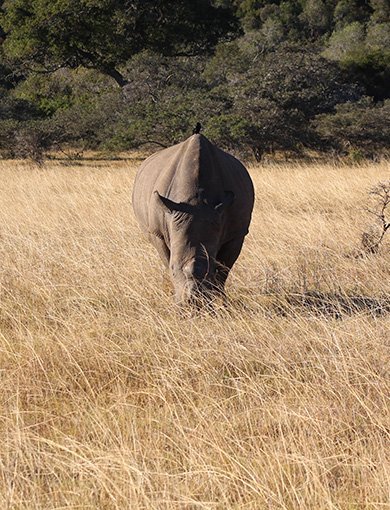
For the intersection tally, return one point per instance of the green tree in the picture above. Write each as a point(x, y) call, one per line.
point(348, 11)
point(362, 126)
point(104, 34)
point(381, 11)
point(364, 52)
point(269, 105)
point(167, 97)
point(316, 16)
point(342, 43)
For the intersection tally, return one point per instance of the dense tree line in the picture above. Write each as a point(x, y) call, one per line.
point(261, 75)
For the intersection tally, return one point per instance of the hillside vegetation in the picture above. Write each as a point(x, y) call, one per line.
point(111, 399)
point(261, 75)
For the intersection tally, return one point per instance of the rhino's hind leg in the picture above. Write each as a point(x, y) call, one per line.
point(226, 257)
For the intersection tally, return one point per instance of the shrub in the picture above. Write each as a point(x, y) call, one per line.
point(362, 126)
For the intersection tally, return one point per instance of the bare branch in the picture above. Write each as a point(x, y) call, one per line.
point(372, 241)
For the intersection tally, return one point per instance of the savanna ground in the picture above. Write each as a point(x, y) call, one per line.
point(111, 399)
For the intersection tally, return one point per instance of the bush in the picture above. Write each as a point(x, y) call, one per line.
point(363, 126)
point(28, 139)
point(269, 106)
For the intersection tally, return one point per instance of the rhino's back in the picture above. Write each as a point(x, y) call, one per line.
point(179, 171)
point(156, 172)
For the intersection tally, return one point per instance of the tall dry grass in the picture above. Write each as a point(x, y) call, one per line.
point(110, 399)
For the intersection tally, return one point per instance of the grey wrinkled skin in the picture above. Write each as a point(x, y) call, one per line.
point(194, 201)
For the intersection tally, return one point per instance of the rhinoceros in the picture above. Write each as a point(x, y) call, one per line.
point(194, 201)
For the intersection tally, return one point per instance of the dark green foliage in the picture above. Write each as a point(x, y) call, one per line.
point(16, 109)
point(297, 79)
point(372, 70)
point(104, 34)
point(293, 81)
point(166, 98)
point(357, 128)
point(5, 76)
point(270, 102)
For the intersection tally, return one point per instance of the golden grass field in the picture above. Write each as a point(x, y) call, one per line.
point(111, 399)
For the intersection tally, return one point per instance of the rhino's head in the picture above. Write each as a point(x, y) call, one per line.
point(195, 231)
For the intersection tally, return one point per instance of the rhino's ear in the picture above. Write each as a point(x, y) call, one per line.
point(227, 201)
point(171, 206)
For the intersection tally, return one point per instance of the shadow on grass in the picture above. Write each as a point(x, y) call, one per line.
point(333, 305)
point(320, 304)
point(98, 158)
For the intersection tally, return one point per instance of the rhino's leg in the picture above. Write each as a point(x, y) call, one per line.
point(226, 257)
point(161, 248)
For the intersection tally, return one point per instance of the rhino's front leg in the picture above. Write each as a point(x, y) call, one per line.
point(226, 257)
point(161, 248)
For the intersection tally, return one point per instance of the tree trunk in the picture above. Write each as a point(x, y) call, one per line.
point(258, 153)
point(116, 75)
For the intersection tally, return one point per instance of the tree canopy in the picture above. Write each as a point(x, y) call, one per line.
point(104, 34)
point(261, 75)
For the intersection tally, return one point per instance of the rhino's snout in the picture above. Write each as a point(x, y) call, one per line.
point(199, 269)
point(194, 292)
point(194, 281)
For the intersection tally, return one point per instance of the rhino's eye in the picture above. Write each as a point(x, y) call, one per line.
point(181, 218)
